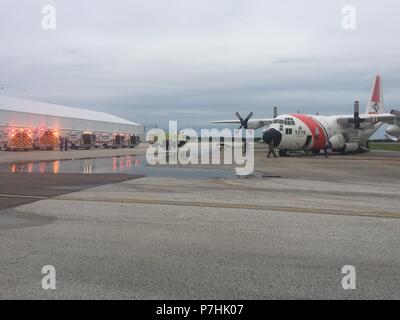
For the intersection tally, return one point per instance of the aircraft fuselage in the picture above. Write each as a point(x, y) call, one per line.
point(293, 132)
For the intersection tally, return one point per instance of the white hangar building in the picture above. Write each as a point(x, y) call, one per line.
point(22, 113)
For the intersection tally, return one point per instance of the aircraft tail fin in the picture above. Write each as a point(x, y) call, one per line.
point(375, 104)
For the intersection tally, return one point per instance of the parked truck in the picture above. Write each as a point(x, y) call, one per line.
point(15, 138)
point(132, 140)
point(12, 138)
point(47, 139)
point(104, 140)
point(82, 140)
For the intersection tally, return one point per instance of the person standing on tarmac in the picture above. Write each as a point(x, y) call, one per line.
point(326, 148)
point(61, 143)
point(271, 149)
point(66, 144)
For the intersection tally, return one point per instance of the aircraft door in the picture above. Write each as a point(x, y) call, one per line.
point(308, 141)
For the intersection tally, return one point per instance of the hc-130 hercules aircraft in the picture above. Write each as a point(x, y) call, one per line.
point(393, 132)
point(343, 133)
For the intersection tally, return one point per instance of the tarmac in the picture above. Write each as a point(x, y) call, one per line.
point(284, 233)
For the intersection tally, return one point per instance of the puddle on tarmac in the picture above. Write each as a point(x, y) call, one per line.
point(136, 165)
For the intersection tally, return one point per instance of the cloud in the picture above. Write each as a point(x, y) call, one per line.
point(295, 60)
point(195, 61)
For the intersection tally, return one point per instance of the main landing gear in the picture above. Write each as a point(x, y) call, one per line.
point(283, 153)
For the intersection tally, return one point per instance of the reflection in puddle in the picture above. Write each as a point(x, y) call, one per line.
point(56, 166)
point(120, 164)
point(126, 164)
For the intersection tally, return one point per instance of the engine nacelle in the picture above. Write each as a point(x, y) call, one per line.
point(254, 124)
point(351, 147)
point(337, 142)
point(393, 131)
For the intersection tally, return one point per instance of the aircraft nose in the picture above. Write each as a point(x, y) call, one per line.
point(272, 135)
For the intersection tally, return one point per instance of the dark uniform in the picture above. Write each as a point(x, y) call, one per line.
point(61, 143)
point(326, 148)
point(271, 149)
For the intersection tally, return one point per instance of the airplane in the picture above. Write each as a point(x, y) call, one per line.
point(393, 132)
point(313, 133)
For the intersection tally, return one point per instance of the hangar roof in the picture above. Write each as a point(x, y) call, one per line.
point(22, 105)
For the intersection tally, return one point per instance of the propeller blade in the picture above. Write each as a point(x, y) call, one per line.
point(242, 123)
point(248, 117)
point(356, 109)
point(356, 119)
point(240, 118)
point(275, 112)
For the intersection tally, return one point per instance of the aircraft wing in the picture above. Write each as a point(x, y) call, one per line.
point(258, 123)
point(374, 117)
point(227, 121)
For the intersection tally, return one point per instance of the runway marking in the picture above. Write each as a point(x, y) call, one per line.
point(260, 207)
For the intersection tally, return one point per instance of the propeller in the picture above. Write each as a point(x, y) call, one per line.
point(356, 120)
point(243, 123)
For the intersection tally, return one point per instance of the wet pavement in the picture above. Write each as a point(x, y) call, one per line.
point(135, 165)
point(173, 238)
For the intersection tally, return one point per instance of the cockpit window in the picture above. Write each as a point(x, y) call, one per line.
point(289, 121)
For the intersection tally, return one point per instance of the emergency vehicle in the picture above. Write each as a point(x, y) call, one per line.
point(45, 139)
point(16, 138)
point(82, 140)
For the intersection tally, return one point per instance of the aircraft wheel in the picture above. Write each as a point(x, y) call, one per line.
point(284, 153)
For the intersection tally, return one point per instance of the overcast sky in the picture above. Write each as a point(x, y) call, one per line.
point(151, 61)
